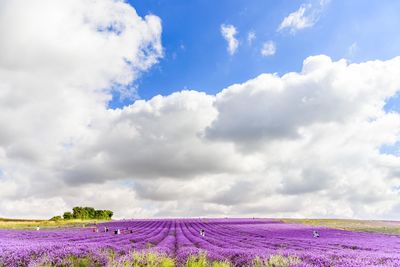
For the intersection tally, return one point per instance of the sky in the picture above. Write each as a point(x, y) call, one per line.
point(173, 108)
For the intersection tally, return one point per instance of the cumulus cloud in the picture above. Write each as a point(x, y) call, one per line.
point(228, 32)
point(306, 16)
point(318, 133)
point(282, 106)
point(268, 49)
point(151, 139)
point(302, 144)
point(59, 61)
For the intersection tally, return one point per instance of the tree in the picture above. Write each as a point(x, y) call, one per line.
point(68, 215)
point(99, 214)
point(109, 214)
point(77, 212)
point(103, 214)
point(56, 218)
point(88, 213)
point(80, 213)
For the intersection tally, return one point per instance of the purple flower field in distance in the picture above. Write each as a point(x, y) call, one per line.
point(237, 242)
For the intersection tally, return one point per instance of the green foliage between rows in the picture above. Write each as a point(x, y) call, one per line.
point(149, 259)
point(202, 261)
point(276, 261)
point(153, 259)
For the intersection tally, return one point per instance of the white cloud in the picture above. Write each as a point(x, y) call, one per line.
point(58, 61)
point(305, 17)
point(251, 36)
point(228, 32)
point(318, 133)
point(268, 49)
point(276, 107)
point(301, 144)
point(297, 20)
point(296, 140)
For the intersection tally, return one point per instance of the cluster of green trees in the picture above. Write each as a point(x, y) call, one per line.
point(85, 213)
point(88, 213)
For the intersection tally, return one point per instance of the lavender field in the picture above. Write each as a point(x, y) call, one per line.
point(226, 242)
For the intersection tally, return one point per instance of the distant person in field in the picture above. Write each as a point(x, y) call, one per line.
point(37, 228)
point(315, 234)
point(202, 232)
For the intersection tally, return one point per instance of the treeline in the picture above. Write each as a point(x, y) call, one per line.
point(85, 213)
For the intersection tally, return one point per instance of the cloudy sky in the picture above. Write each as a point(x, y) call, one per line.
point(174, 108)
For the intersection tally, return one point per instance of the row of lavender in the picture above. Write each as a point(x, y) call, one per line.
point(237, 240)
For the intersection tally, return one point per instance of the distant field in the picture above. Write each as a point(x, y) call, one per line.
point(21, 224)
point(201, 243)
point(389, 227)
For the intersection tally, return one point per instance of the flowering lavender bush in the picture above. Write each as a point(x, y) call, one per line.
point(226, 242)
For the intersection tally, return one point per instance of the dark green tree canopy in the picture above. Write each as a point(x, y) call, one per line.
point(56, 218)
point(88, 213)
point(68, 215)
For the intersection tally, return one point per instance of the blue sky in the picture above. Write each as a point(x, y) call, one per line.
point(196, 54)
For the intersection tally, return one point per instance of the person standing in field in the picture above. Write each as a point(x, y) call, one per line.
point(37, 228)
point(315, 234)
point(202, 233)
